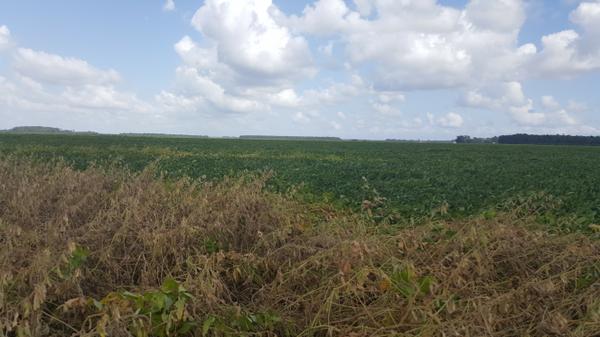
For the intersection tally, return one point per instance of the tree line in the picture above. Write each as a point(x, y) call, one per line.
point(523, 138)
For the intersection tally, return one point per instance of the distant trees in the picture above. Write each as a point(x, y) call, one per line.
point(523, 138)
point(549, 139)
point(475, 140)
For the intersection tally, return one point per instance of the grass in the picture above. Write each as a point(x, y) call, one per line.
point(110, 252)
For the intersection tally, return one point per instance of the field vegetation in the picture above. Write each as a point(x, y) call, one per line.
point(415, 179)
point(146, 236)
point(106, 251)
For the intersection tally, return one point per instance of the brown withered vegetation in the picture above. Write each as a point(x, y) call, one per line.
point(105, 252)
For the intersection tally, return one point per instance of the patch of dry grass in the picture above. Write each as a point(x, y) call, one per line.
point(112, 253)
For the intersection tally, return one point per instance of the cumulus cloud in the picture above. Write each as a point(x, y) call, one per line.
point(193, 83)
point(505, 97)
point(509, 98)
point(364, 7)
point(492, 15)
point(285, 98)
point(335, 93)
point(450, 120)
point(250, 41)
point(335, 125)
point(253, 55)
point(558, 114)
point(569, 53)
point(365, 57)
point(24, 101)
point(561, 55)
point(587, 16)
point(301, 117)
point(324, 17)
point(47, 88)
point(25, 94)
point(386, 109)
point(169, 6)
point(248, 63)
point(423, 44)
point(4, 38)
point(550, 103)
point(55, 69)
point(101, 97)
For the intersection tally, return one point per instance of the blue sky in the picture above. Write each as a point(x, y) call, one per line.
point(356, 69)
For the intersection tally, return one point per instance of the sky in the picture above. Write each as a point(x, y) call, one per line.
point(369, 69)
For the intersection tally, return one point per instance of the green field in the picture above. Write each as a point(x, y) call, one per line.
point(414, 178)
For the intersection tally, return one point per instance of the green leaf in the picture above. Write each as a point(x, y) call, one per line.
point(207, 324)
point(97, 304)
point(187, 327)
point(179, 308)
point(170, 285)
point(425, 284)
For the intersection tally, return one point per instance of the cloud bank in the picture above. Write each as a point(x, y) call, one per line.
point(340, 67)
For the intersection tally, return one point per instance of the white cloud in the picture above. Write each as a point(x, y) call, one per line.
point(102, 97)
point(506, 97)
point(587, 16)
point(577, 106)
point(336, 92)
point(255, 64)
point(324, 17)
point(557, 114)
point(423, 44)
point(248, 63)
point(364, 7)
point(193, 83)
point(285, 98)
point(327, 49)
point(174, 103)
point(335, 125)
point(55, 69)
point(253, 56)
point(250, 41)
point(386, 102)
point(561, 55)
point(426, 45)
point(509, 98)
point(4, 38)
point(498, 16)
point(450, 120)
point(169, 5)
point(385, 109)
point(389, 97)
point(23, 93)
point(45, 88)
point(550, 103)
point(301, 117)
point(569, 53)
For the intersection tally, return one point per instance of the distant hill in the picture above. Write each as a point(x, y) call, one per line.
point(43, 130)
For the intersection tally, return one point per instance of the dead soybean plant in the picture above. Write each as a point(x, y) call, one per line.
point(106, 252)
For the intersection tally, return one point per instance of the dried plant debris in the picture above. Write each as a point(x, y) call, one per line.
point(105, 252)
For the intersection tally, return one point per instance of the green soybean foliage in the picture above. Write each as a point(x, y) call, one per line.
point(415, 178)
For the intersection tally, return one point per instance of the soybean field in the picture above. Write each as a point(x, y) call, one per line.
point(414, 178)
